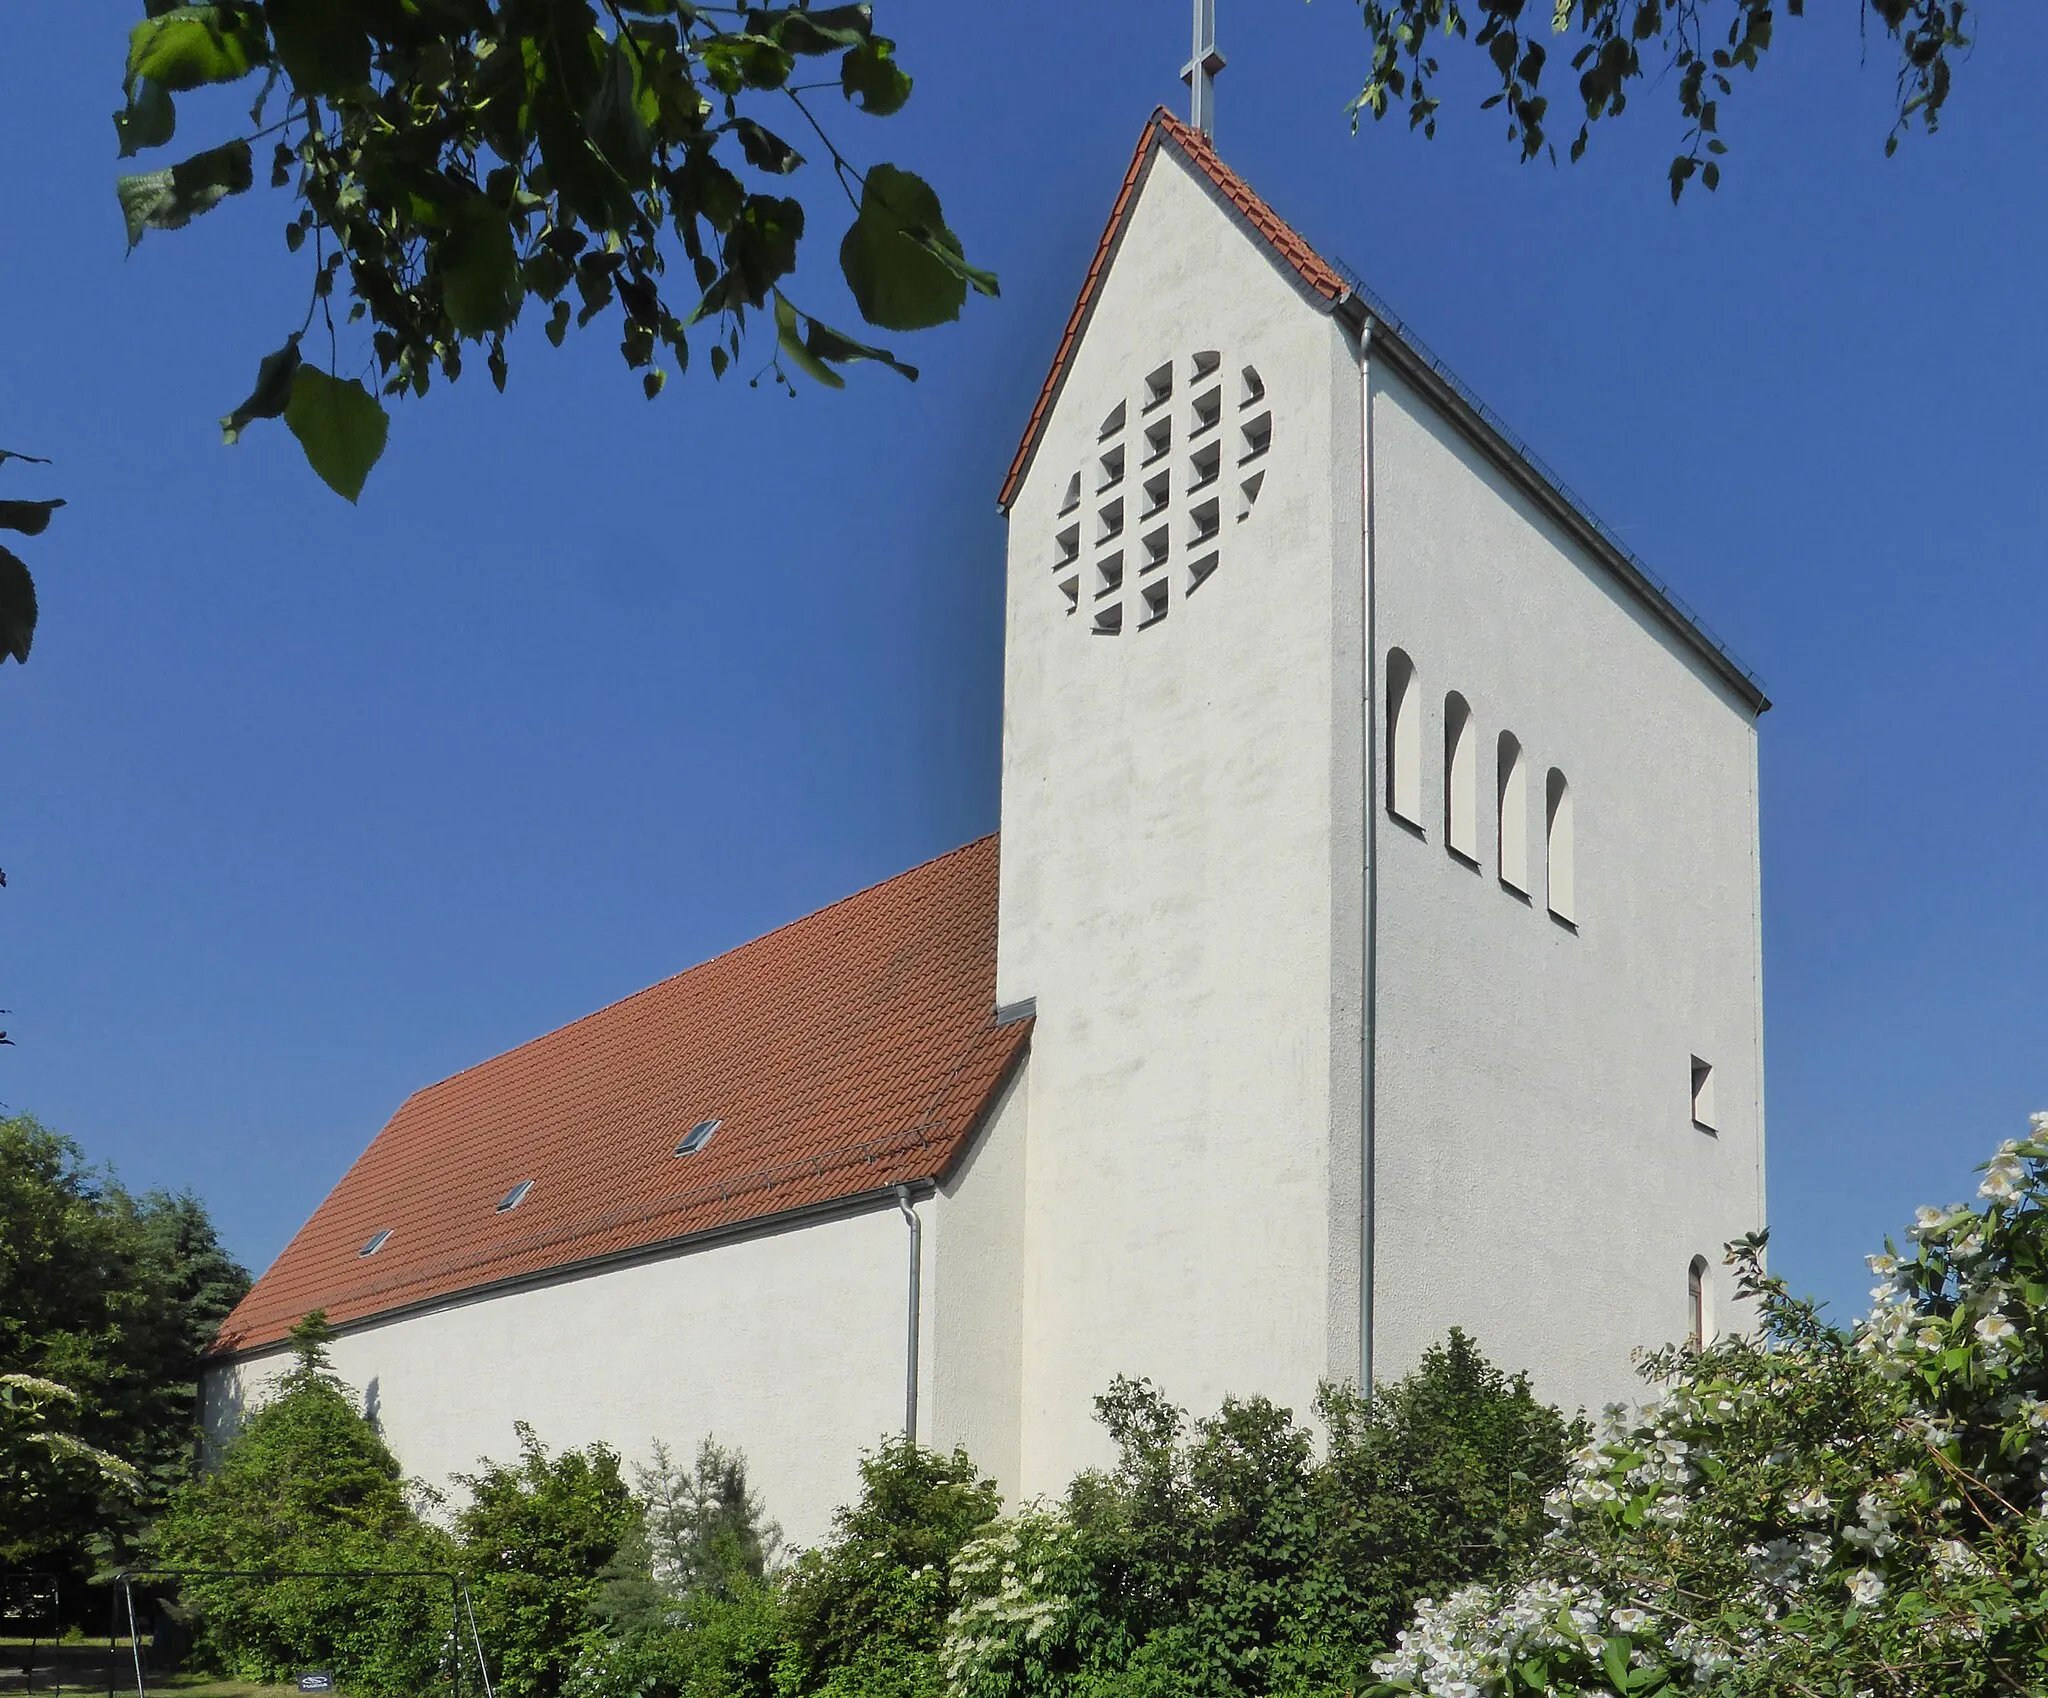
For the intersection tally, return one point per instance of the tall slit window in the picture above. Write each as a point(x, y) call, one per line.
point(1404, 739)
point(1511, 790)
point(1699, 1319)
point(1559, 872)
point(1461, 781)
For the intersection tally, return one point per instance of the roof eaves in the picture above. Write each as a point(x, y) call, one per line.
point(1476, 422)
point(227, 1348)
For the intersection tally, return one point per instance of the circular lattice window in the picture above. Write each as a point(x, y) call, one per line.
point(1150, 516)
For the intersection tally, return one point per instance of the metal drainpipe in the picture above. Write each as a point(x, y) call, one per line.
point(1372, 867)
point(916, 1281)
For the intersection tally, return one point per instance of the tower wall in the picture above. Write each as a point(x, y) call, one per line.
point(1537, 1176)
point(1182, 850)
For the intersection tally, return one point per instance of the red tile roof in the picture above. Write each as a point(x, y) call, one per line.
point(1288, 247)
point(852, 1050)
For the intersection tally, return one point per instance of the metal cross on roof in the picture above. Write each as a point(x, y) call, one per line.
point(1200, 71)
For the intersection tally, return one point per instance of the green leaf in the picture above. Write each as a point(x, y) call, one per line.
point(341, 426)
point(149, 120)
point(272, 392)
point(31, 518)
point(480, 284)
point(870, 78)
point(1614, 1659)
point(824, 29)
point(765, 150)
point(189, 46)
point(322, 46)
point(795, 352)
point(164, 200)
point(17, 607)
point(903, 265)
point(830, 344)
point(614, 120)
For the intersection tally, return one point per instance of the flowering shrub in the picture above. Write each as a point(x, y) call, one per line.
point(1810, 1510)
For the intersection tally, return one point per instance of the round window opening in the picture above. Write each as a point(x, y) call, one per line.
point(1151, 515)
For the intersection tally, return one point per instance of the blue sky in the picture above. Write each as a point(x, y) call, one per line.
point(309, 805)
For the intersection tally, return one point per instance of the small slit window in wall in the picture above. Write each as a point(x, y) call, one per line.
point(1560, 875)
point(1208, 411)
point(1157, 488)
point(1112, 424)
point(1155, 544)
point(1112, 521)
point(1461, 781)
point(1066, 547)
point(1112, 468)
point(1204, 466)
point(1204, 363)
point(1253, 387)
point(1404, 740)
point(1258, 437)
point(1153, 595)
point(1512, 791)
point(1072, 498)
point(1703, 1115)
point(1158, 439)
point(514, 1197)
point(1109, 620)
point(1109, 574)
point(377, 1242)
point(1699, 1304)
point(697, 1137)
point(1158, 386)
point(1206, 521)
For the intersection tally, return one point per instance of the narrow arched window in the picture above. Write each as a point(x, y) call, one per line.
point(1559, 873)
point(1404, 739)
point(1511, 790)
point(1461, 780)
point(1698, 1304)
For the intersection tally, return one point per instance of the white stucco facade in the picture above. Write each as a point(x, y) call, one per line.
point(1309, 1083)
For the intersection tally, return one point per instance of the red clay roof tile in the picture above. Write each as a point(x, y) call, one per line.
point(1200, 151)
point(851, 1050)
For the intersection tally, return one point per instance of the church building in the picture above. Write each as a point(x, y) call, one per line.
point(1371, 946)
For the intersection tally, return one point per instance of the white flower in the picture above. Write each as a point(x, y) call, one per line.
point(1629, 1621)
point(1810, 1505)
point(1884, 1266)
point(2037, 1123)
point(1928, 1222)
point(1865, 1587)
point(1995, 1329)
point(1929, 1338)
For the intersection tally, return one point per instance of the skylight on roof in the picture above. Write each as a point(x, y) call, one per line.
point(375, 1244)
point(514, 1197)
point(697, 1137)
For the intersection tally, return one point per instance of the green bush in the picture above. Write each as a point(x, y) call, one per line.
point(865, 1614)
point(1232, 1560)
point(307, 1483)
point(539, 1536)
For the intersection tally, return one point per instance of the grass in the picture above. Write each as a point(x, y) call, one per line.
point(80, 1666)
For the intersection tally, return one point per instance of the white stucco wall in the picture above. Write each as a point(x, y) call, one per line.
point(974, 1313)
point(1175, 895)
point(789, 1345)
point(1538, 1180)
